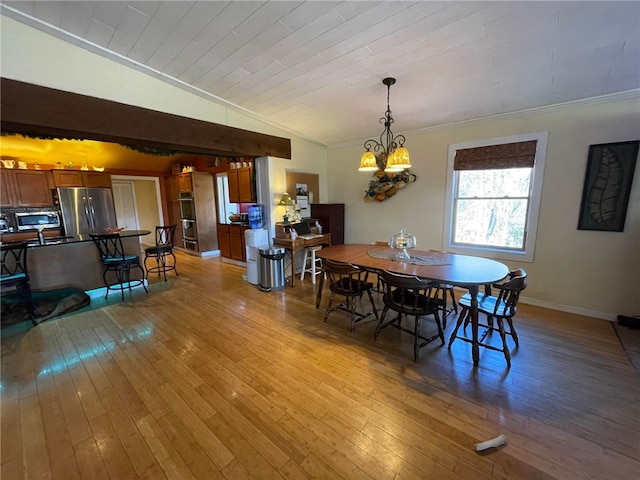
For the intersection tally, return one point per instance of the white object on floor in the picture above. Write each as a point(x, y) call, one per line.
point(315, 266)
point(493, 443)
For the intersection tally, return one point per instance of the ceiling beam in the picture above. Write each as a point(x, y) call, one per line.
point(35, 110)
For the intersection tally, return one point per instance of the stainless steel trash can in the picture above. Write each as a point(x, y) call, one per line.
point(272, 268)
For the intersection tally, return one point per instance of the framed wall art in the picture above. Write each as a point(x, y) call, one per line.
point(607, 186)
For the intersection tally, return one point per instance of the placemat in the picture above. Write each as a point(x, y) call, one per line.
point(390, 254)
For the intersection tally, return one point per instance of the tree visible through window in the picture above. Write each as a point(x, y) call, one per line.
point(494, 192)
point(491, 207)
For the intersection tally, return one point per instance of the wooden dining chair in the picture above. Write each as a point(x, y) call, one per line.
point(498, 308)
point(409, 296)
point(348, 281)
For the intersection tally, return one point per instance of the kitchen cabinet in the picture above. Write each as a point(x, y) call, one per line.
point(202, 207)
point(224, 243)
point(171, 187)
point(80, 178)
point(231, 241)
point(7, 192)
point(185, 183)
point(26, 188)
point(331, 217)
point(241, 189)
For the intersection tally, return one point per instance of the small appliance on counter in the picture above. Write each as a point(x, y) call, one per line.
point(5, 227)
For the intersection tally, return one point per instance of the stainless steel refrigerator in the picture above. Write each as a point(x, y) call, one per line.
point(87, 210)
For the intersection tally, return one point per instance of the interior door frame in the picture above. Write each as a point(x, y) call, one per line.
point(156, 181)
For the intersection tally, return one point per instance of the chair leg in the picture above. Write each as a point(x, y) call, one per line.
point(174, 264)
point(440, 330)
point(461, 318)
point(503, 336)
point(380, 322)
point(328, 310)
point(513, 332)
point(313, 266)
point(373, 304)
point(353, 315)
point(416, 340)
point(304, 265)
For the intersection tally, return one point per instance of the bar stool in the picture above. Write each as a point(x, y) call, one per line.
point(315, 265)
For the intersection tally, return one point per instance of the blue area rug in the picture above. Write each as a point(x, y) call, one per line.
point(47, 305)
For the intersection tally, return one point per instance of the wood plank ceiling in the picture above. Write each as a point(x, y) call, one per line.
point(315, 67)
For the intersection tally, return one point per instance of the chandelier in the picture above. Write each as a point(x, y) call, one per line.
point(389, 153)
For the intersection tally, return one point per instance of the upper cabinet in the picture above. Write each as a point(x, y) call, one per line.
point(185, 183)
point(26, 188)
point(241, 189)
point(79, 178)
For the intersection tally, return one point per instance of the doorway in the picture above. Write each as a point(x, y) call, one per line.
point(138, 204)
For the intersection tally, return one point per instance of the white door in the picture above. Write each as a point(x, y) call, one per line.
point(125, 200)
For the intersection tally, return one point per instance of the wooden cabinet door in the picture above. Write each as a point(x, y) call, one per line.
point(174, 219)
point(236, 238)
point(171, 186)
point(234, 190)
point(33, 188)
point(224, 242)
point(7, 190)
point(245, 192)
point(96, 179)
point(184, 182)
point(67, 178)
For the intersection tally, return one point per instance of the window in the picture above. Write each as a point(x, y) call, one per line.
point(493, 196)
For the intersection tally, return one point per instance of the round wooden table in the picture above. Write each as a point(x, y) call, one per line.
point(460, 270)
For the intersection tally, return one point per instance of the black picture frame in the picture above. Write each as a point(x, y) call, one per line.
point(607, 186)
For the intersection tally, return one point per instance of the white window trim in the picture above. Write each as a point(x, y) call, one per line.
point(536, 197)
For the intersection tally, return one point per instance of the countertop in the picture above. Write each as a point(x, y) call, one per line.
point(81, 238)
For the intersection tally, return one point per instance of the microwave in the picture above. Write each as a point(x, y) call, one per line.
point(37, 219)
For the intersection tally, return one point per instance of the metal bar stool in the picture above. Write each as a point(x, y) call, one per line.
point(315, 266)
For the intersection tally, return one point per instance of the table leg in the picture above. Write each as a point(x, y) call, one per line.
point(293, 268)
point(320, 285)
point(475, 348)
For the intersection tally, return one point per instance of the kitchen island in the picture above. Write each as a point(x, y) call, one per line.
point(63, 262)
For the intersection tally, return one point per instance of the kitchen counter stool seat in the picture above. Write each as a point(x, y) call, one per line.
point(315, 263)
point(14, 273)
point(115, 260)
point(162, 249)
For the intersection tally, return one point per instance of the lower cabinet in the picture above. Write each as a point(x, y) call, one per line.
point(231, 241)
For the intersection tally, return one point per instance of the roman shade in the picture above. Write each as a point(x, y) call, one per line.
point(506, 155)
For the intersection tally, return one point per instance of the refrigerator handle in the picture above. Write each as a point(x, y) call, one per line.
point(92, 214)
point(87, 213)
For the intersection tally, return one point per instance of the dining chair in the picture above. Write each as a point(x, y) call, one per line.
point(348, 281)
point(14, 274)
point(501, 308)
point(409, 296)
point(162, 249)
point(115, 260)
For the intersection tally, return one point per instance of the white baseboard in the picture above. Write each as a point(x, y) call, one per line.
point(561, 307)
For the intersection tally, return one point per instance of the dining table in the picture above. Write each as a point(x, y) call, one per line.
point(463, 271)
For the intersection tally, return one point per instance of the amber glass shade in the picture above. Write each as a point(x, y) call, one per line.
point(285, 199)
point(368, 162)
point(398, 160)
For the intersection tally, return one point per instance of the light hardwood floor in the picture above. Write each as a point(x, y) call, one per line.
point(207, 377)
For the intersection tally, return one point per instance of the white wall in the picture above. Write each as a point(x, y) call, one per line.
point(588, 272)
point(35, 57)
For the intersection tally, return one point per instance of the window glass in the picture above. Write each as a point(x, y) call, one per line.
point(494, 212)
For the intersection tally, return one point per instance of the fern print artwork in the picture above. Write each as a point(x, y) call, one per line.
point(607, 186)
